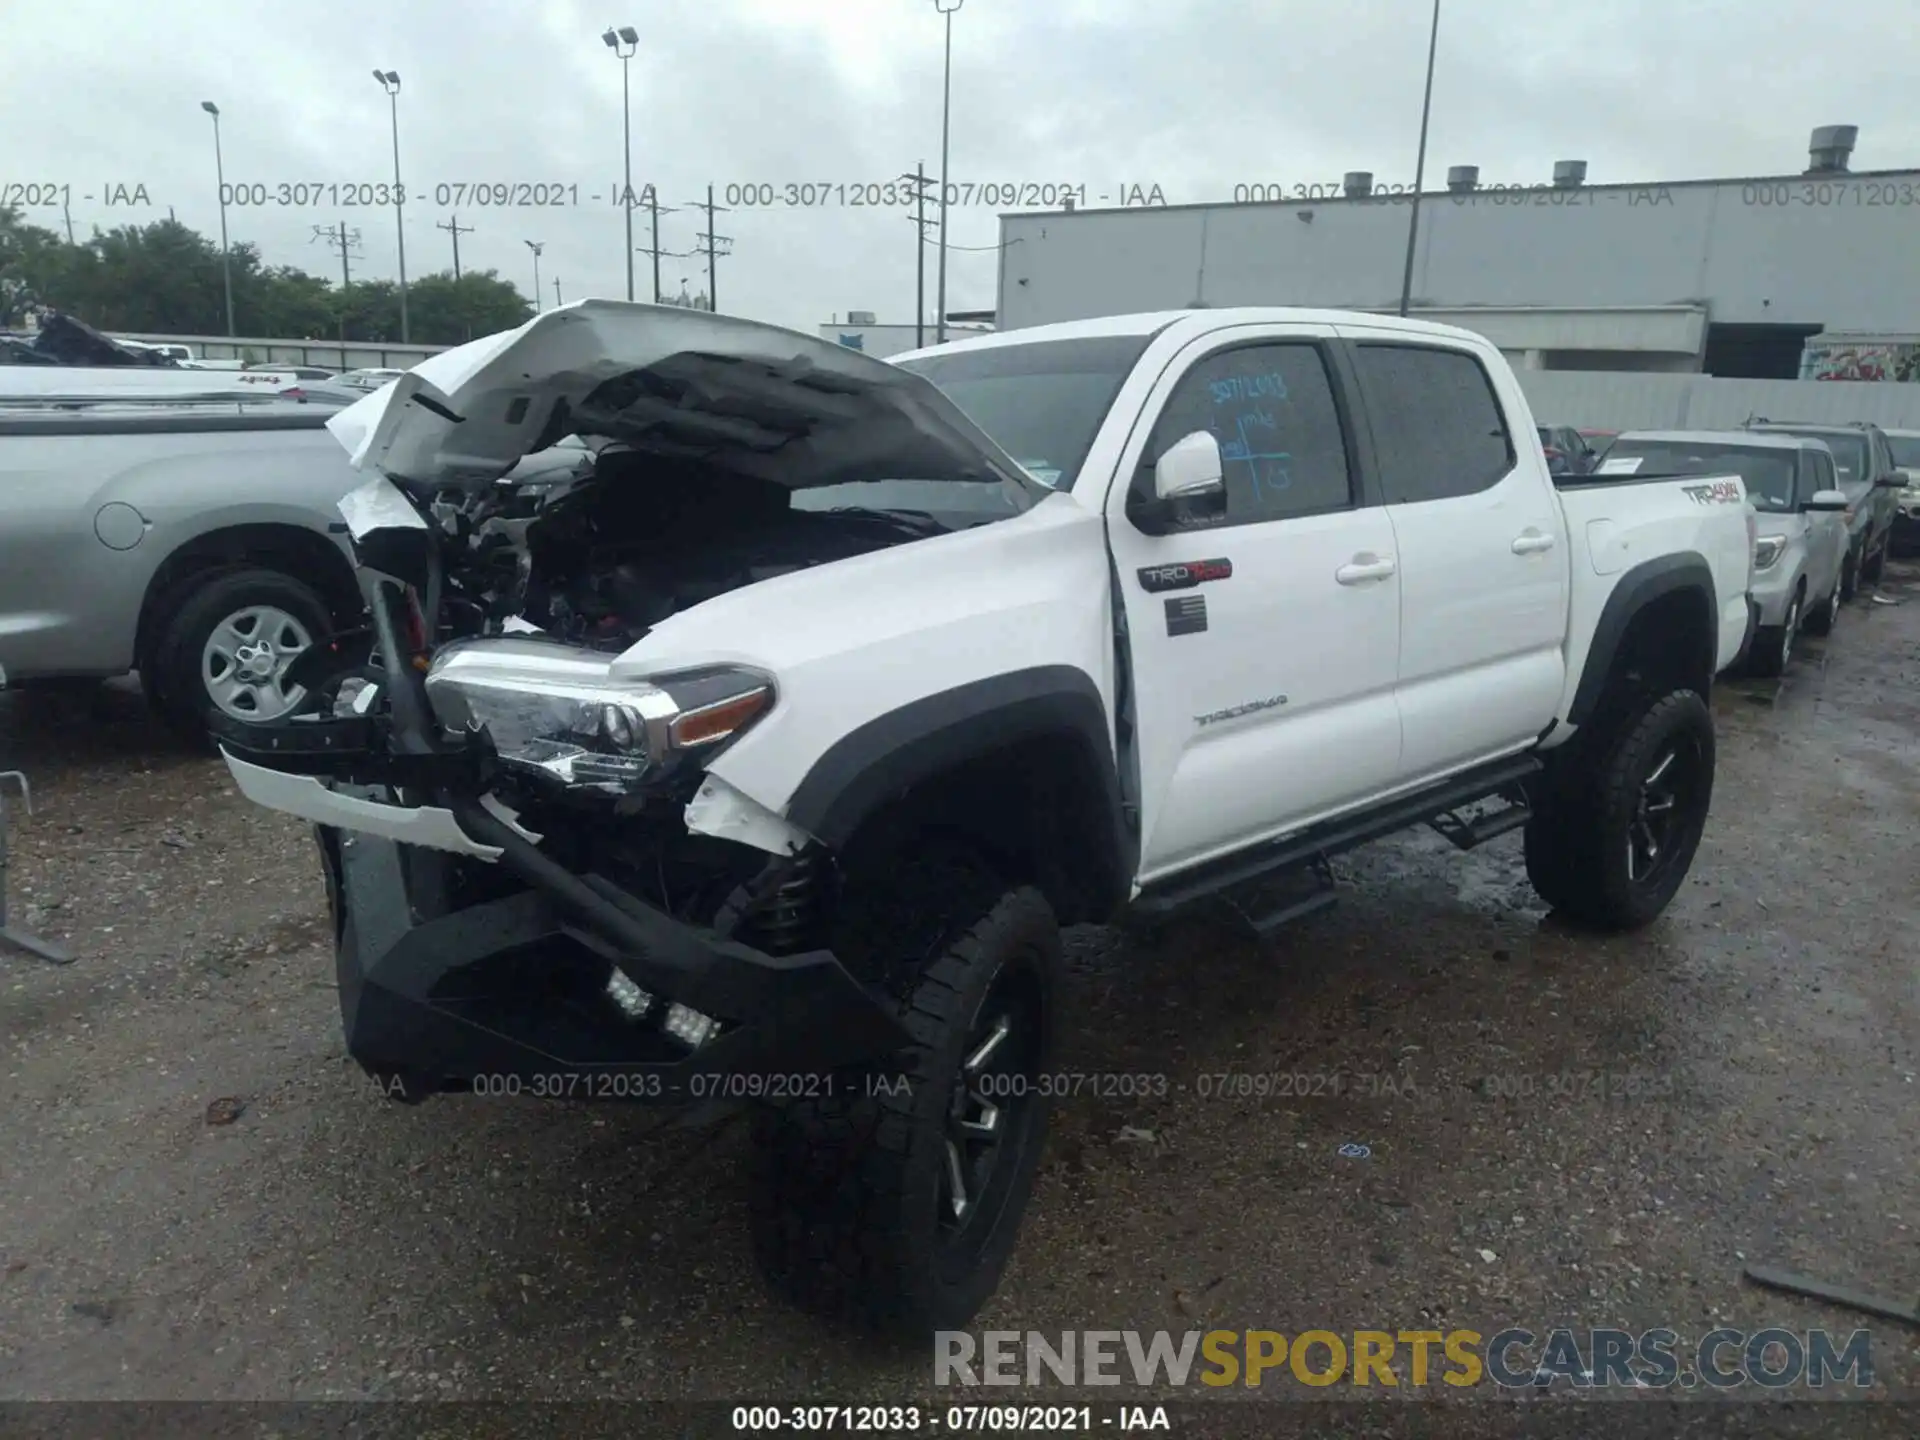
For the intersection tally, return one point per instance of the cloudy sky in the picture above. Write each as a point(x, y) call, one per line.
point(1190, 96)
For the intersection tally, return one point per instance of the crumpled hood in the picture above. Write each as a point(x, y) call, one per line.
point(757, 399)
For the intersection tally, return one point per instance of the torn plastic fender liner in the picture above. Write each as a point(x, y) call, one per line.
point(727, 813)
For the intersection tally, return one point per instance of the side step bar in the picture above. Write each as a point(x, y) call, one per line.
point(1320, 843)
point(1466, 833)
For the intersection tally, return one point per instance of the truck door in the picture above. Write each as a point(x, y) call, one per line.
point(1264, 636)
point(1482, 545)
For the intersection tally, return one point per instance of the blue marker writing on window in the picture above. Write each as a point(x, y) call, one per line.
point(1248, 387)
point(1269, 469)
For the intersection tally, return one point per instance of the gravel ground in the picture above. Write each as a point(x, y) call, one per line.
point(326, 1244)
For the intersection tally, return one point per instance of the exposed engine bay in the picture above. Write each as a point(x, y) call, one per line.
point(598, 561)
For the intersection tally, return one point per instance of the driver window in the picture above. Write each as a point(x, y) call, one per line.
point(1271, 408)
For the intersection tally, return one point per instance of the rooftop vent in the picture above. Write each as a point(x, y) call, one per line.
point(1828, 151)
point(1569, 173)
point(1462, 178)
point(860, 317)
point(1359, 184)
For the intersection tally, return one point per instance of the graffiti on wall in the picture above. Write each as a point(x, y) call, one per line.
point(1828, 360)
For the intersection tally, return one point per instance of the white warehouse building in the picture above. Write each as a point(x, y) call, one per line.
point(1726, 277)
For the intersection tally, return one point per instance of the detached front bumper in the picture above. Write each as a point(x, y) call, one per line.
point(468, 959)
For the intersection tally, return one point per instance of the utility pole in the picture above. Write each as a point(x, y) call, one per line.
point(65, 211)
point(919, 219)
point(713, 247)
point(557, 301)
point(946, 9)
point(656, 209)
point(338, 237)
point(1420, 164)
point(454, 228)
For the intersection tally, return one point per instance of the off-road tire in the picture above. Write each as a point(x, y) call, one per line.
point(175, 687)
point(1773, 644)
point(1821, 618)
point(847, 1192)
point(1586, 808)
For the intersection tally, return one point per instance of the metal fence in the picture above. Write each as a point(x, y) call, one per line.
point(1612, 400)
point(330, 354)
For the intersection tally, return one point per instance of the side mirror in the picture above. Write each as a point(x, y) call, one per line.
point(1895, 481)
point(1827, 501)
point(1191, 467)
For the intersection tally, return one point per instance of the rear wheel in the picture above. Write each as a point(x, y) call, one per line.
point(895, 1201)
point(1616, 828)
point(228, 645)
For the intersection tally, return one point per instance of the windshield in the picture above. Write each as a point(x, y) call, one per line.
point(1042, 402)
point(1849, 452)
point(1906, 451)
point(1767, 474)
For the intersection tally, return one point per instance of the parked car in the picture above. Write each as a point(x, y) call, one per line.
point(1870, 479)
point(367, 379)
point(1800, 545)
point(1567, 450)
point(1905, 445)
point(300, 373)
point(324, 392)
point(791, 803)
point(198, 542)
point(1598, 441)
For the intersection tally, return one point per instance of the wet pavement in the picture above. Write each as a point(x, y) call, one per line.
point(1428, 1108)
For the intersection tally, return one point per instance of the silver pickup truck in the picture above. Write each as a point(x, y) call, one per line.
point(200, 544)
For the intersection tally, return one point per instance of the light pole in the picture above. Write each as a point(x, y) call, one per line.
point(536, 246)
point(946, 8)
point(220, 175)
point(629, 37)
point(390, 82)
point(1420, 164)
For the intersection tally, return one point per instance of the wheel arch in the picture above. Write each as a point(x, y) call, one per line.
point(1662, 612)
point(1022, 763)
point(295, 550)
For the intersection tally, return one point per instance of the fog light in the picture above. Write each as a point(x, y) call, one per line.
point(632, 1000)
point(689, 1026)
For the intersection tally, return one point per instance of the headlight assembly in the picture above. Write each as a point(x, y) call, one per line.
point(1767, 549)
point(553, 710)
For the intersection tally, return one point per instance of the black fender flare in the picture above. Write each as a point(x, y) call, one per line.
point(888, 755)
point(1639, 587)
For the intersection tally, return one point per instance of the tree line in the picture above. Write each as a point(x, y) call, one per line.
point(165, 279)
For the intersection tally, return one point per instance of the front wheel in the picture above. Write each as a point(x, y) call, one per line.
point(1849, 578)
point(1613, 837)
point(894, 1202)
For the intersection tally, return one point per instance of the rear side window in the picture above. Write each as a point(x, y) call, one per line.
point(1438, 430)
point(1823, 478)
point(1271, 407)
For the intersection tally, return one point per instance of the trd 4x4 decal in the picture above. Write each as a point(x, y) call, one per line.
point(1184, 575)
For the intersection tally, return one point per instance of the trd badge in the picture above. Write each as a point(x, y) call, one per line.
point(1184, 575)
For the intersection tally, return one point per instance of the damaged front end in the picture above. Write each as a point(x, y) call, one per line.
point(535, 887)
point(533, 873)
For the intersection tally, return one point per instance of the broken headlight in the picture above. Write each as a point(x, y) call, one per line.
point(556, 711)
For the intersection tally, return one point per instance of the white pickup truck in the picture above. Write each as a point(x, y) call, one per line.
point(765, 763)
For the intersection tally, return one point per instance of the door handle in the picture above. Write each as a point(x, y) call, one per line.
point(1364, 567)
point(1532, 542)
